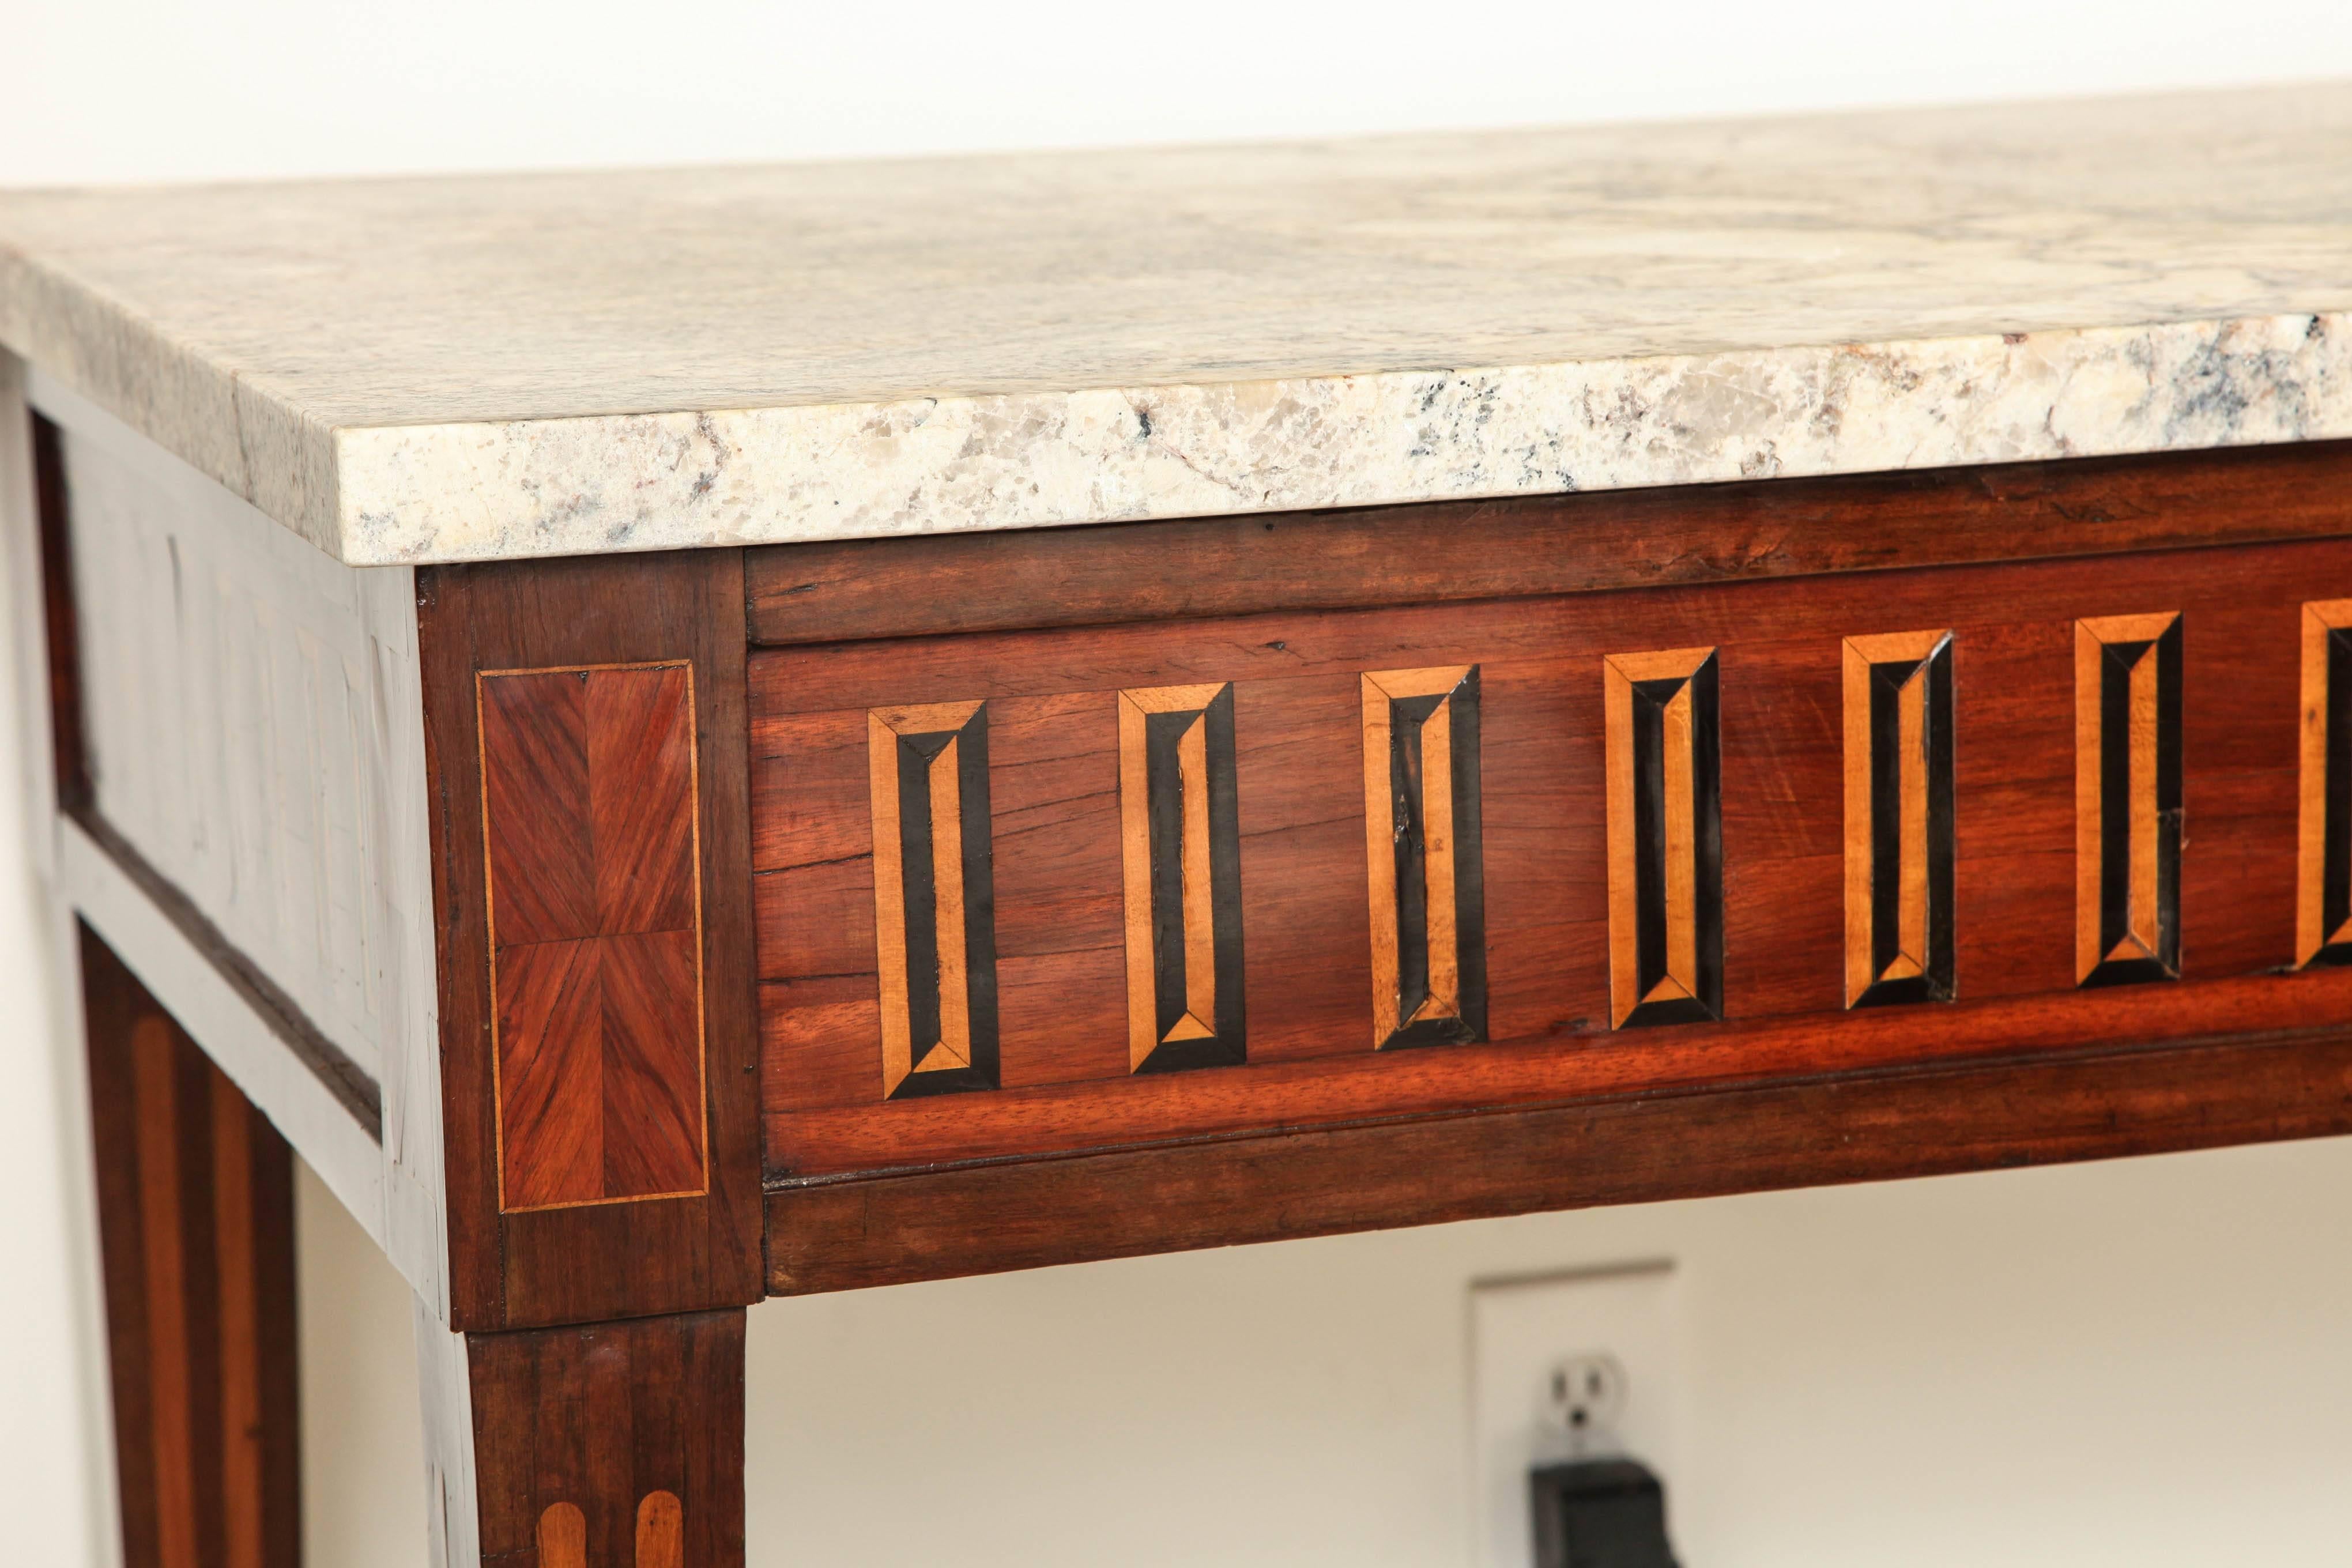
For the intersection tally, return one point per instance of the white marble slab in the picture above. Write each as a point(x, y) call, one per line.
point(464, 368)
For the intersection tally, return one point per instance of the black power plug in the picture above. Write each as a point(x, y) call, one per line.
point(1599, 1513)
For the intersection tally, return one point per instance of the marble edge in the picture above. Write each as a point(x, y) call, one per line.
point(490, 490)
point(258, 446)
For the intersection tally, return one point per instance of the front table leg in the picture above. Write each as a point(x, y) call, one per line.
point(586, 736)
point(612, 1444)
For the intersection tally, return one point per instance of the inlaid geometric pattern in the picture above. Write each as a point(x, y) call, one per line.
point(1665, 837)
point(195, 1207)
point(591, 834)
point(2127, 799)
point(1424, 856)
point(1774, 833)
point(934, 897)
point(1179, 836)
point(2322, 927)
point(1898, 818)
point(614, 1443)
point(660, 1538)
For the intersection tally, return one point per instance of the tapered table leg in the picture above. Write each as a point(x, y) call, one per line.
point(613, 1445)
point(196, 1231)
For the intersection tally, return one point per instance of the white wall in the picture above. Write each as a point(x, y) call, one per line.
point(140, 90)
point(2142, 1362)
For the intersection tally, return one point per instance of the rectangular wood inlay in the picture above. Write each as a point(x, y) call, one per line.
point(1179, 836)
point(195, 1211)
point(1554, 819)
point(2127, 798)
point(2323, 926)
point(1665, 837)
point(934, 897)
point(1898, 818)
point(1424, 856)
point(590, 833)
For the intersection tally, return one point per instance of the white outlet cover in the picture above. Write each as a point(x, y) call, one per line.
point(1520, 1328)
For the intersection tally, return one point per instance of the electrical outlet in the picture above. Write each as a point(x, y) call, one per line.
point(1566, 1365)
point(1588, 1399)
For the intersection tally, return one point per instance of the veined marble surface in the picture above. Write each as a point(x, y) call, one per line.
point(464, 368)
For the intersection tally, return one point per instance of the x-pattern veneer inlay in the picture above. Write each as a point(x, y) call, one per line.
point(655, 822)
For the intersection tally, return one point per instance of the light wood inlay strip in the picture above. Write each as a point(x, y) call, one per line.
point(1199, 911)
point(2090, 656)
point(2140, 940)
point(562, 1537)
point(1682, 853)
point(1911, 902)
point(1379, 858)
point(2126, 833)
point(1667, 892)
point(1860, 957)
point(1624, 865)
point(242, 1502)
point(954, 1047)
point(956, 1050)
point(1135, 852)
point(1434, 682)
point(171, 1390)
point(1179, 849)
point(1900, 680)
point(1421, 775)
point(1437, 858)
point(889, 901)
point(661, 1532)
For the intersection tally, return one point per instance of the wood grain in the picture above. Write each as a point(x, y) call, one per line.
point(595, 913)
point(2323, 932)
point(562, 1536)
point(1424, 853)
point(593, 805)
point(927, 772)
point(1299, 721)
point(196, 1235)
point(611, 1445)
point(661, 1530)
point(1665, 826)
point(69, 736)
point(1642, 1148)
point(1898, 818)
point(2127, 798)
point(254, 728)
point(286, 1025)
point(1180, 856)
point(1538, 545)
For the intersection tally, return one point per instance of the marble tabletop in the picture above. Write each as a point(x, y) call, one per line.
point(462, 368)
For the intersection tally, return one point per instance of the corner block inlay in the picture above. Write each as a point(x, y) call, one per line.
point(1179, 835)
point(590, 836)
point(2323, 925)
point(934, 897)
point(2127, 806)
point(1665, 837)
point(1424, 856)
point(1899, 845)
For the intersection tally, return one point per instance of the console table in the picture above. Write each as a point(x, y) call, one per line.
point(683, 735)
